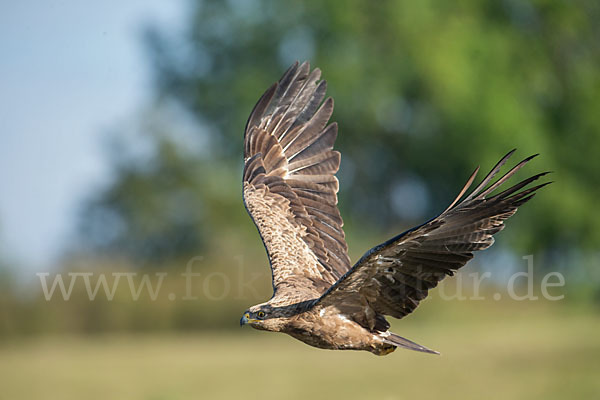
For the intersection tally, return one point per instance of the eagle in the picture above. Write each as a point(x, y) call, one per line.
point(290, 192)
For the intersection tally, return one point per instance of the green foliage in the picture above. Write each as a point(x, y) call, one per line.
point(425, 91)
point(151, 211)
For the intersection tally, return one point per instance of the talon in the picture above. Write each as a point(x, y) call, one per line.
point(386, 350)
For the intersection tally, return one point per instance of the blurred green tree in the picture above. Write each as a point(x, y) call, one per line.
point(425, 91)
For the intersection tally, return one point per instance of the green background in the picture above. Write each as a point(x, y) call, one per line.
point(425, 91)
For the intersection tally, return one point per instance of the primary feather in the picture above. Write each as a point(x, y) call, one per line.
point(290, 169)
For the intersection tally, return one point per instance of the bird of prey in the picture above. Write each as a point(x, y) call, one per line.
point(290, 191)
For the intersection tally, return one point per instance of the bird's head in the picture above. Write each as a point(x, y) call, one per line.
point(263, 317)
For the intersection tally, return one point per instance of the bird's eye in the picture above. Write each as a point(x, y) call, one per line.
point(260, 314)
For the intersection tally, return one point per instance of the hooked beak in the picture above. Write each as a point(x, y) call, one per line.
point(244, 319)
point(247, 320)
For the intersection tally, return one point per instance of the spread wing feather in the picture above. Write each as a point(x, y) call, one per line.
point(392, 278)
point(290, 188)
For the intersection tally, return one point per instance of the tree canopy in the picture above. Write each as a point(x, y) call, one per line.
point(425, 91)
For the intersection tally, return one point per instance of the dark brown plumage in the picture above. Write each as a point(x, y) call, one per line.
point(290, 191)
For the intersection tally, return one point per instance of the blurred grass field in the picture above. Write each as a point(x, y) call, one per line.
point(518, 350)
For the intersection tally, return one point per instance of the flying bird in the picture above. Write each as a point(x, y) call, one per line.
point(290, 191)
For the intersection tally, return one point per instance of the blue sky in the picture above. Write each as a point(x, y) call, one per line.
point(69, 71)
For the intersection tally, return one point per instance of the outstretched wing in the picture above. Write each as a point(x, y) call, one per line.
point(392, 278)
point(290, 190)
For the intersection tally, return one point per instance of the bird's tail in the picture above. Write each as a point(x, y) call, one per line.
point(399, 341)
